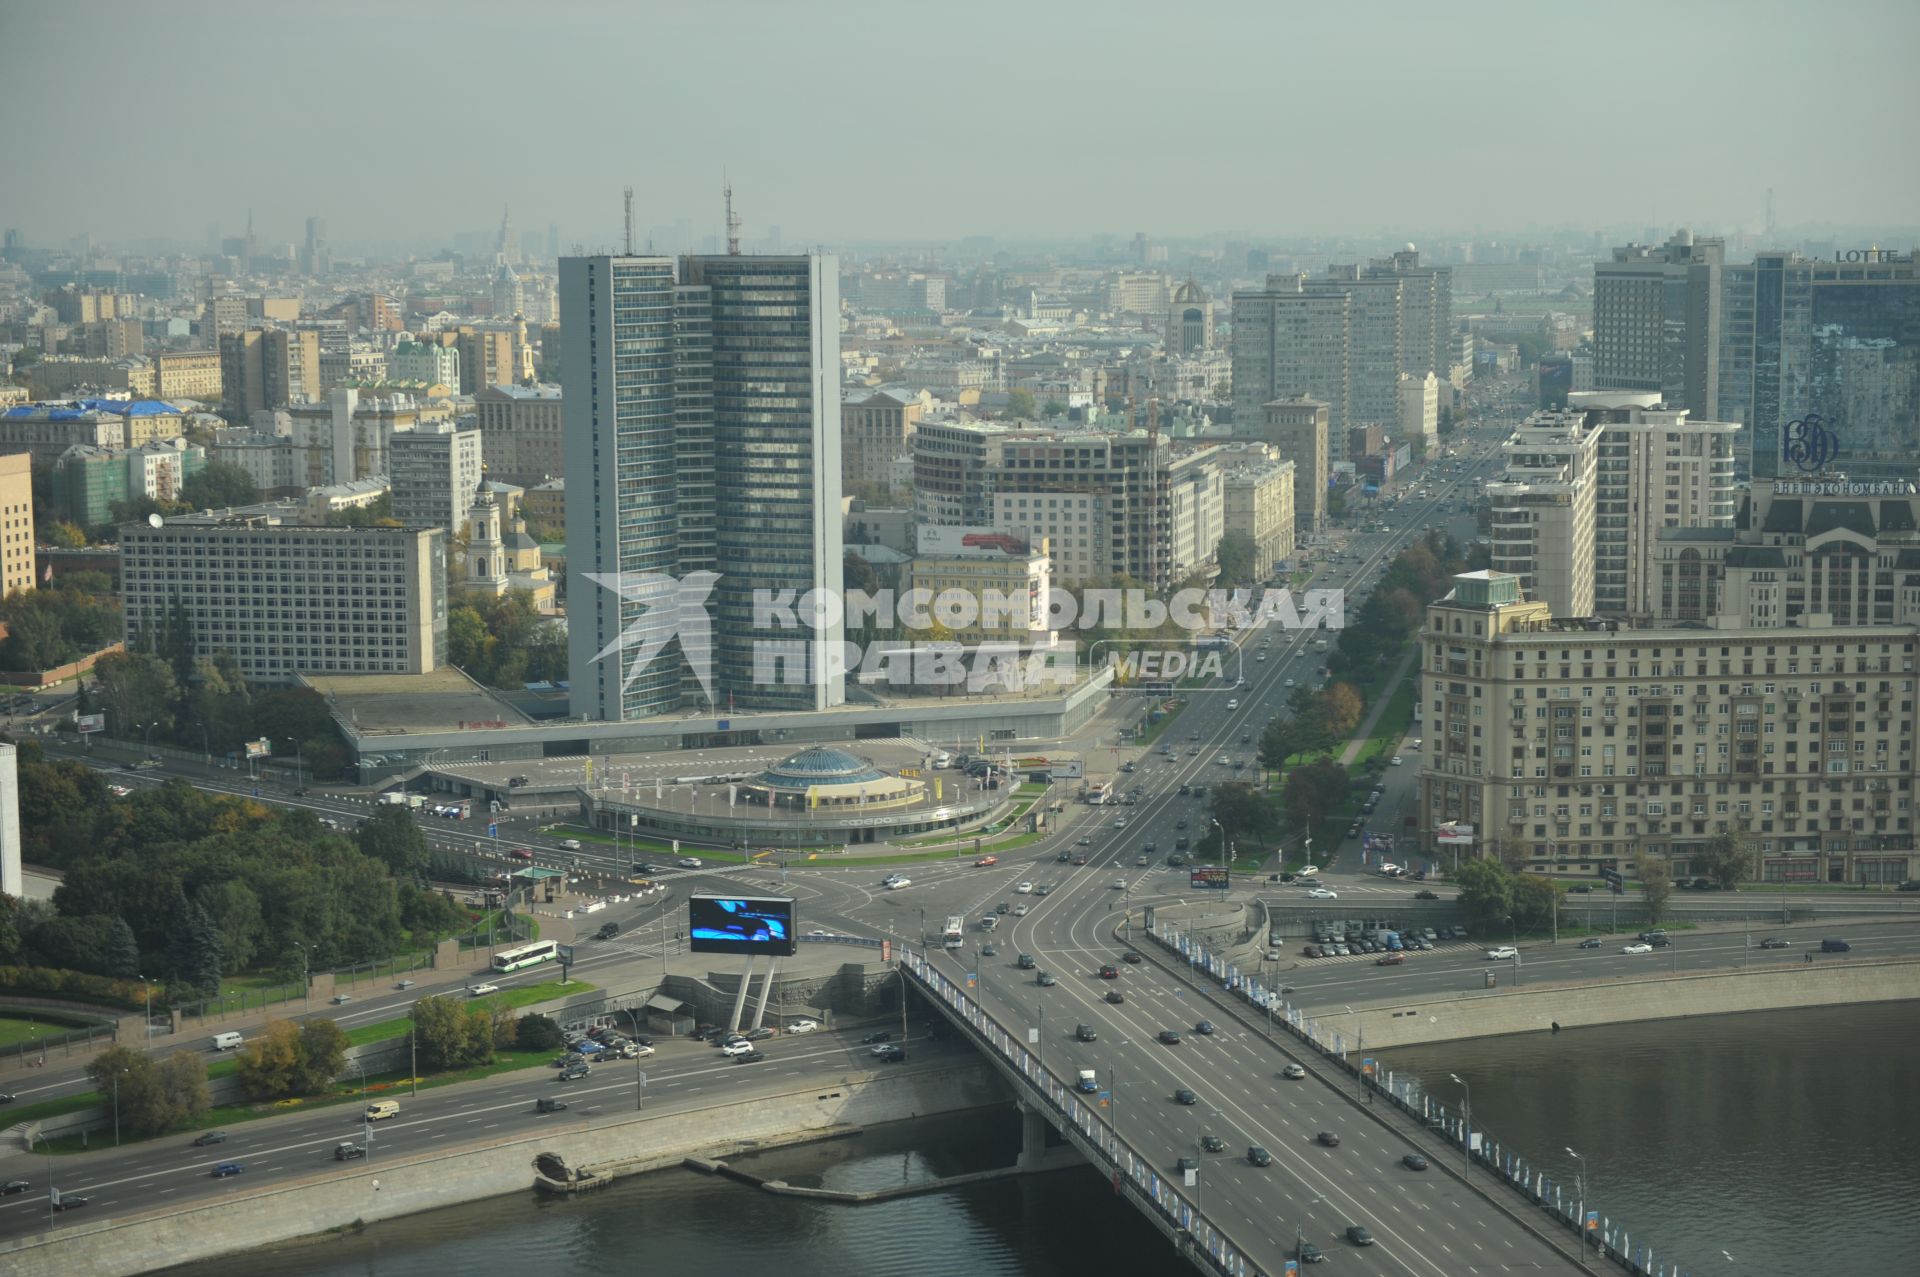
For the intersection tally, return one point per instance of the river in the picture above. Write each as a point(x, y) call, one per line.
point(1786, 1140)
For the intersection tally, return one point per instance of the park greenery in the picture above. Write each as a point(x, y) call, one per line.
point(59, 622)
point(150, 1094)
point(1494, 895)
point(189, 887)
point(503, 642)
point(218, 486)
point(286, 1059)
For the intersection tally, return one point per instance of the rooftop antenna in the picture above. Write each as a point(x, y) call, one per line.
point(1769, 230)
point(733, 224)
point(629, 221)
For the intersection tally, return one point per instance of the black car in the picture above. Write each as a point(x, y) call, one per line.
point(226, 1170)
point(1130, 955)
point(760, 1034)
point(1359, 1236)
point(1414, 1162)
point(1310, 1254)
point(1085, 1033)
point(539, 1106)
point(209, 1137)
point(892, 1054)
point(642, 867)
point(13, 1186)
point(1775, 942)
point(1426, 895)
point(1116, 997)
point(1579, 889)
point(988, 951)
point(1184, 1096)
point(750, 1057)
point(70, 1201)
point(1024, 962)
point(1204, 1028)
point(1064, 857)
point(351, 1152)
point(607, 931)
point(1045, 980)
point(1591, 942)
point(872, 1038)
point(1258, 1156)
point(1213, 1144)
point(1329, 1139)
point(1186, 1164)
point(1170, 1036)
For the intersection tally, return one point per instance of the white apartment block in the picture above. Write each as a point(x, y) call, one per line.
point(1419, 403)
point(1196, 510)
point(1573, 746)
point(435, 470)
point(428, 363)
point(288, 600)
point(1590, 494)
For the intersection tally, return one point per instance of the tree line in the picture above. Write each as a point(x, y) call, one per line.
point(186, 887)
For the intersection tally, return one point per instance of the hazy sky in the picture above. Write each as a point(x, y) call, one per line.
point(840, 121)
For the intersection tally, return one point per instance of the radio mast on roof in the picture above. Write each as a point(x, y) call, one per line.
point(629, 221)
point(733, 225)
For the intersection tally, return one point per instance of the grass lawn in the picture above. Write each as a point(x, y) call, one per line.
point(17, 1027)
point(1392, 727)
point(518, 996)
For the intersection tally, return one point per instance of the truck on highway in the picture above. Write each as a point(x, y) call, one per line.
point(1088, 1081)
point(400, 798)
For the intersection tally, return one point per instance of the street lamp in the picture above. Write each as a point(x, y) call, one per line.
point(1580, 1224)
point(639, 1078)
point(299, 765)
point(148, 729)
point(306, 975)
point(116, 1106)
point(147, 1009)
point(1466, 1128)
point(366, 1126)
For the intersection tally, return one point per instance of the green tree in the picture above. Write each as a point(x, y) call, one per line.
point(391, 837)
point(1282, 739)
point(1053, 408)
point(219, 486)
point(183, 1086)
point(120, 955)
point(1656, 881)
point(1019, 405)
point(1536, 902)
point(1314, 792)
point(135, 689)
point(193, 947)
point(322, 1055)
point(1486, 890)
point(132, 1084)
point(1239, 561)
point(235, 910)
point(536, 1032)
point(448, 1037)
point(1729, 859)
point(1242, 811)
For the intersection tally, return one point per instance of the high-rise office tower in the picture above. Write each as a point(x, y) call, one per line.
point(1376, 333)
point(1426, 299)
point(315, 257)
point(1656, 321)
point(1288, 341)
point(1837, 340)
point(702, 435)
point(1298, 428)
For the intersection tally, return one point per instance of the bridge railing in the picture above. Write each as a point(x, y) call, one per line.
point(1607, 1237)
point(1087, 1115)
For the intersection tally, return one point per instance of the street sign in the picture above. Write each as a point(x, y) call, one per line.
point(493, 829)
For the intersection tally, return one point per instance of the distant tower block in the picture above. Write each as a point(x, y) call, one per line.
point(10, 880)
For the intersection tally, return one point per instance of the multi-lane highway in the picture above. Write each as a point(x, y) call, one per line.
point(175, 1170)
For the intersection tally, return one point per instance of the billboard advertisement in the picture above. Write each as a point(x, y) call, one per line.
point(89, 723)
point(955, 542)
point(741, 924)
point(262, 748)
point(1208, 877)
point(1453, 834)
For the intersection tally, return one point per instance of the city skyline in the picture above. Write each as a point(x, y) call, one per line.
point(1272, 145)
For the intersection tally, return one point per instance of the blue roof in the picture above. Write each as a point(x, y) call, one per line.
point(38, 413)
point(820, 766)
point(132, 407)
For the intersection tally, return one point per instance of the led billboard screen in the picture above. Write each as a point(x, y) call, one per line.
point(741, 924)
point(1209, 878)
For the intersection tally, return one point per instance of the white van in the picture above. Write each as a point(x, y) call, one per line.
point(227, 1041)
point(380, 1109)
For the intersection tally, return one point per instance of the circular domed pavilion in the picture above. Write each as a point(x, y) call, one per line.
point(825, 777)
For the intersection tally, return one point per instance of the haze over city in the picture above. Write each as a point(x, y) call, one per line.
point(853, 122)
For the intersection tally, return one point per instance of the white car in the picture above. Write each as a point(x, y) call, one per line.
point(1025, 889)
point(482, 990)
point(1120, 822)
point(1309, 870)
point(1321, 893)
point(689, 862)
point(1395, 760)
point(1501, 954)
point(634, 1051)
point(1637, 947)
point(736, 1048)
point(1289, 682)
point(899, 883)
point(1414, 743)
point(804, 1026)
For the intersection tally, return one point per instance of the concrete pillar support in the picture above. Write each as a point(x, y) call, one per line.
point(1033, 1138)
